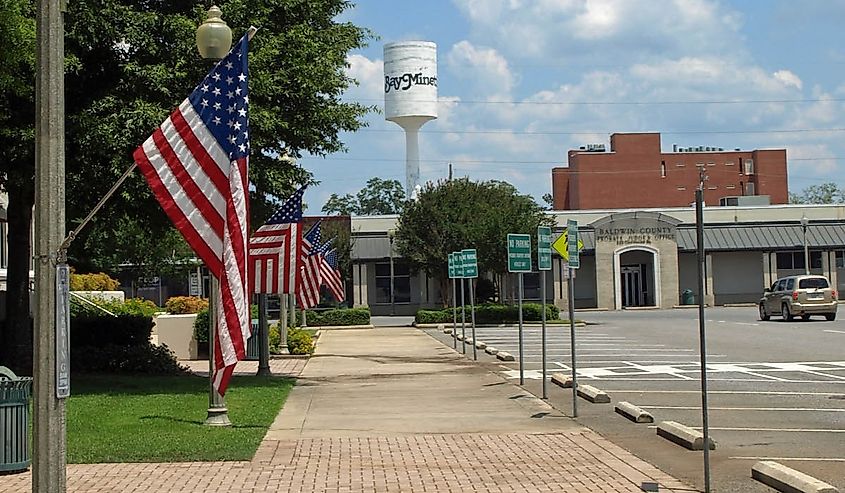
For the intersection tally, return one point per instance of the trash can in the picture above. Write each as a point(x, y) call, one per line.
point(253, 344)
point(14, 421)
point(688, 298)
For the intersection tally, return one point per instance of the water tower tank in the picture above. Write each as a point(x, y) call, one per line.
point(410, 96)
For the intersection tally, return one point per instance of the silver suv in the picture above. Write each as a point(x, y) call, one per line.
point(799, 296)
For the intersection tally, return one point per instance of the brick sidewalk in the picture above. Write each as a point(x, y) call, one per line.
point(572, 462)
point(280, 367)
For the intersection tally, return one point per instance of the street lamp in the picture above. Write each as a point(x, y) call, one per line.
point(214, 40)
point(391, 234)
point(804, 223)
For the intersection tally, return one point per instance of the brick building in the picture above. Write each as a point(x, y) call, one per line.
point(636, 173)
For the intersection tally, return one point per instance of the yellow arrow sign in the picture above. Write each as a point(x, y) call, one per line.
point(560, 245)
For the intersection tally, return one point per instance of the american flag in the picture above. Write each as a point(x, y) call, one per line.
point(331, 275)
point(308, 292)
point(274, 249)
point(196, 165)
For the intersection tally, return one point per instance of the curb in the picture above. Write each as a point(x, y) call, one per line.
point(504, 356)
point(340, 327)
point(562, 381)
point(785, 479)
point(515, 324)
point(633, 412)
point(683, 435)
point(592, 394)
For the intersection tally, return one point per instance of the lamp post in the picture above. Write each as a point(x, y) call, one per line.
point(391, 234)
point(214, 40)
point(804, 223)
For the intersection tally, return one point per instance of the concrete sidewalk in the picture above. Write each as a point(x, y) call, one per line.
point(395, 410)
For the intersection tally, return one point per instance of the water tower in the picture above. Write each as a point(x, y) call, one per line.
point(410, 97)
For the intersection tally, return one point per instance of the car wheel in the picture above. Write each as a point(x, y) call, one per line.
point(805, 317)
point(830, 316)
point(763, 315)
point(784, 312)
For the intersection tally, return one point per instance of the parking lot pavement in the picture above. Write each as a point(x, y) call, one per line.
point(776, 389)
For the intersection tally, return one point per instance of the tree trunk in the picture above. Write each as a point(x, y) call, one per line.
point(17, 336)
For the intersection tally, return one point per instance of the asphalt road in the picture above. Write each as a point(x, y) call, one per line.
point(776, 390)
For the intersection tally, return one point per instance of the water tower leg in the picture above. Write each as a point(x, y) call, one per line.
point(412, 160)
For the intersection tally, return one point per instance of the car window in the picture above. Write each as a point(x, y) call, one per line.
point(813, 282)
point(774, 286)
point(790, 284)
point(781, 285)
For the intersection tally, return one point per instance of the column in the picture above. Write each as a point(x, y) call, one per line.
point(710, 296)
point(359, 285)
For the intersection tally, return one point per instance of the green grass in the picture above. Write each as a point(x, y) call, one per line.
point(160, 419)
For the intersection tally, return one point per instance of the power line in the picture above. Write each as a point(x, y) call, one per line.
point(584, 133)
point(512, 161)
point(610, 103)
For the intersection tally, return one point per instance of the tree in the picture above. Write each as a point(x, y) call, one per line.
point(128, 64)
point(826, 193)
point(456, 214)
point(549, 201)
point(377, 198)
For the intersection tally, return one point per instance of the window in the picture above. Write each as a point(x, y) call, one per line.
point(729, 163)
point(813, 282)
point(781, 285)
point(730, 187)
point(711, 163)
point(712, 188)
point(795, 260)
point(663, 169)
point(749, 167)
point(680, 165)
point(790, 284)
point(750, 189)
point(840, 259)
point(401, 283)
point(681, 189)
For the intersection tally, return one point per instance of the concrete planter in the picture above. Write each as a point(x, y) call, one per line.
point(177, 333)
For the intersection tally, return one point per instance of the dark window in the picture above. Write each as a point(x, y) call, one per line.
point(781, 285)
point(784, 260)
point(401, 283)
point(813, 282)
point(815, 260)
point(840, 259)
point(790, 284)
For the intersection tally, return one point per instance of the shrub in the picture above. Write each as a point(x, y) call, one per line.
point(178, 305)
point(490, 314)
point(300, 341)
point(103, 330)
point(132, 306)
point(433, 316)
point(143, 358)
point(275, 336)
point(92, 282)
point(340, 316)
point(201, 325)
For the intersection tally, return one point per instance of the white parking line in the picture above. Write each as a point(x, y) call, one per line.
point(807, 459)
point(835, 331)
point(777, 430)
point(738, 392)
point(786, 409)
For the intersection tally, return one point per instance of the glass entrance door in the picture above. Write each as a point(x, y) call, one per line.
point(632, 291)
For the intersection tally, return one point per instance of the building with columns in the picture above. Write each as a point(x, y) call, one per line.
point(637, 257)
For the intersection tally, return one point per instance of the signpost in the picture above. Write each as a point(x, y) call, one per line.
point(62, 331)
point(469, 260)
point(459, 273)
point(568, 245)
point(544, 263)
point(452, 276)
point(519, 261)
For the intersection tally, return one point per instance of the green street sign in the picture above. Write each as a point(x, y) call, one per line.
point(519, 253)
point(451, 259)
point(457, 260)
point(572, 244)
point(469, 259)
point(544, 248)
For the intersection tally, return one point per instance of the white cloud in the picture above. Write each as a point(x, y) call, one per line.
point(485, 68)
point(788, 78)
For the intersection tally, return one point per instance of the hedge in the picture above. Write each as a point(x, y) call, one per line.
point(340, 316)
point(180, 305)
point(102, 343)
point(491, 314)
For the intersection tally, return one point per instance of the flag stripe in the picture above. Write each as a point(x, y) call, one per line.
point(200, 151)
point(188, 192)
point(199, 242)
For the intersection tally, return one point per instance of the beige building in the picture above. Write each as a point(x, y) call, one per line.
point(637, 258)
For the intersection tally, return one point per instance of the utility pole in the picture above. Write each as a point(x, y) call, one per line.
point(699, 234)
point(49, 437)
point(450, 171)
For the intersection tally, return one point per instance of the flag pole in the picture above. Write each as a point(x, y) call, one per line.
point(218, 414)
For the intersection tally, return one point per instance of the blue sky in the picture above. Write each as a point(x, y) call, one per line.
point(520, 82)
